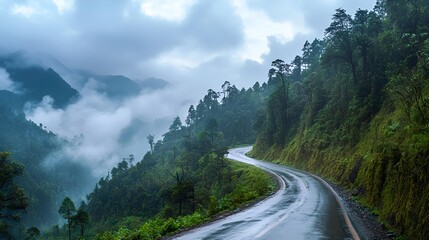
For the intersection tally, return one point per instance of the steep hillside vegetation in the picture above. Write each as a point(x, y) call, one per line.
point(355, 108)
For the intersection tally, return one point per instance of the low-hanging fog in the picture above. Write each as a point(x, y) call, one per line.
point(194, 45)
point(102, 131)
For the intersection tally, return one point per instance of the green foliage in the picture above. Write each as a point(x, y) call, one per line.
point(185, 170)
point(394, 177)
point(78, 220)
point(13, 200)
point(155, 229)
point(32, 233)
point(185, 174)
point(363, 120)
point(249, 183)
point(67, 210)
point(81, 218)
point(30, 144)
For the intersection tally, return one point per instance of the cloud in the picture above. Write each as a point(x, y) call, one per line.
point(210, 30)
point(314, 15)
point(24, 10)
point(64, 5)
point(118, 37)
point(288, 51)
point(259, 26)
point(213, 26)
point(169, 10)
point(95, 124)
point(5, 82)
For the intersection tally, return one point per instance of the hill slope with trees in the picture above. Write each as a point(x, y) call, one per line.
point(32, 82)
point(355, 108)
point(184, 179)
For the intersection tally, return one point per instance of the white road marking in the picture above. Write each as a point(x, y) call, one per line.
point(352, 229)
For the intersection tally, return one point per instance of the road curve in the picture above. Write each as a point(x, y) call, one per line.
point(304, 207)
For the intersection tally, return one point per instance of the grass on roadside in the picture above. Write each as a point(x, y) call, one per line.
point(251, 184)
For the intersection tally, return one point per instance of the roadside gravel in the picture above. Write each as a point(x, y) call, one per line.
point(363, 220)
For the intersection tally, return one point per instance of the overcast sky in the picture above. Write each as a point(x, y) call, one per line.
point(178, 40)
point(195, 45)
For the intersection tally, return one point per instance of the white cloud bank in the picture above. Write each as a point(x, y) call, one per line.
point(95, 125)
point(5, 82)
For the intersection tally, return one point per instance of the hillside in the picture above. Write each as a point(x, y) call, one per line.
point(184, 179)
point(49, 172)
point(33, 81)
point(30, 145)
point(354, 108)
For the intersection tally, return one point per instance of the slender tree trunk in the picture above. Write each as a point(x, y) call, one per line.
point(69, 227)
point(353, 66)
point(212, 138)
point(193, 200)
point(174, 153)
point(285, 96)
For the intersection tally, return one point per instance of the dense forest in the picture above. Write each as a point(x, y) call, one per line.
point(354, 108)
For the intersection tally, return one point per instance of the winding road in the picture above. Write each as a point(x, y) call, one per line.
point(304, 207)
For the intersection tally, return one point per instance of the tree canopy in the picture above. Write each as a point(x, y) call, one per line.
point(13, 200)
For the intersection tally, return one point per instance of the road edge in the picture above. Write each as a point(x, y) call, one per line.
point(349, 223)
point(280, 186)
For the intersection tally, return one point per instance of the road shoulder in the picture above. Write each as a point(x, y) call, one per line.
point(363, 220)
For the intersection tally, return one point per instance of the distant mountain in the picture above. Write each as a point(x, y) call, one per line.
point(34, 82)
point(153, 84)
point(120, 87)
point(117, 87)
point(35, 76)
point(37, 82)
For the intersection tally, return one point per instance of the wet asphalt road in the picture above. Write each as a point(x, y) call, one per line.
point(303, 208)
